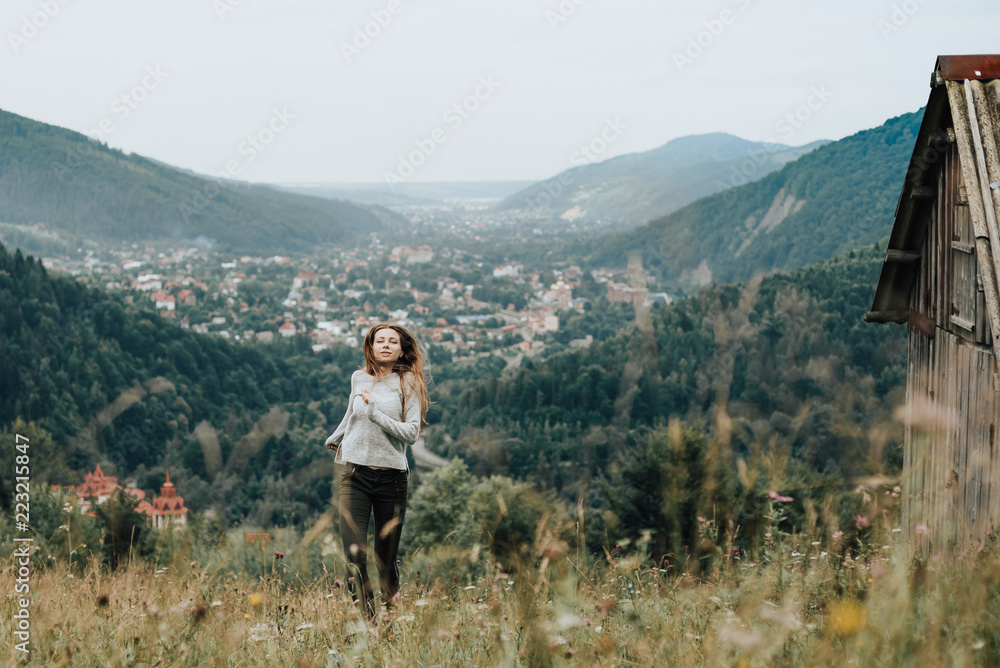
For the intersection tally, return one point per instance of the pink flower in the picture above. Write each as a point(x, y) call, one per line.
point(279, 555)
point(837, 535)
point(779, 498)
point(923, 530)
point(861, 521)
point(773, 494)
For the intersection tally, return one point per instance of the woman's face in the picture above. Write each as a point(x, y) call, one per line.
point(386, 346)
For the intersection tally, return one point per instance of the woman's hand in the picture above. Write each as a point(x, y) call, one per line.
point(366, 396)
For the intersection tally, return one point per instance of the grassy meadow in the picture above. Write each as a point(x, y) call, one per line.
point(802, 600)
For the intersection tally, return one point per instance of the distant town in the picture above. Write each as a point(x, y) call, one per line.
point(453, 297)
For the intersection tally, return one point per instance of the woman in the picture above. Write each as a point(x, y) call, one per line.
point(386, 408)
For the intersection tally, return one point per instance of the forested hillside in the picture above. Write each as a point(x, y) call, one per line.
point(839, 197)
point(781, 370)
point(88, 191)
point(241, 428)
point(785, 360)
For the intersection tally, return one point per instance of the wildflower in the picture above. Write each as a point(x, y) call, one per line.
point(279, 555)
point(847, 618)
point(837, 535)
point(256, 600)
point(861, 521)
point(923, 530)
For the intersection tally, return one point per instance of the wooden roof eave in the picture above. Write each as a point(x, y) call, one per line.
point(899, 268)
point(972, 105)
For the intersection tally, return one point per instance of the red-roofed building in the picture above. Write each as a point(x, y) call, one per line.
point(168, 508)
point(96, 484)
point(165, 508)
point(102, 487)
point(187, 297)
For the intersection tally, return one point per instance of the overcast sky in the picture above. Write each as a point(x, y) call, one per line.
point(296, 91)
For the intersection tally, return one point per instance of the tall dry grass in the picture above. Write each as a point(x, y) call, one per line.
point(803, 602)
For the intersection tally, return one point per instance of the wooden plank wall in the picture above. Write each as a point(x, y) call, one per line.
point(951, 467)
point(951, 470)
point(944, 267)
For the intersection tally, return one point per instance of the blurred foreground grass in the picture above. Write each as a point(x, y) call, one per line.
point(803, 603)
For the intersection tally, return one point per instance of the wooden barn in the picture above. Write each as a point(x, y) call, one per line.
point(940, 277)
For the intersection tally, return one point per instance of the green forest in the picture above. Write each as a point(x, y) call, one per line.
point(780, 369)
point(110, 382)
point(774, 383)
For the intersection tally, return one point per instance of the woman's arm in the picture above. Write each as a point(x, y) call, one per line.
point(335, 439)
point(408, 430)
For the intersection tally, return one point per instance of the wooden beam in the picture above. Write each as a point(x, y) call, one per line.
point(963, 323)
point(898, 317)
point(897, 255)
point(963, 115)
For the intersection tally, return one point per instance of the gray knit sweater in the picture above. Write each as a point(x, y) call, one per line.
point(377, 433)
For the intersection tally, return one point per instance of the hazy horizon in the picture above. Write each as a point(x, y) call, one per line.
point(441, 91)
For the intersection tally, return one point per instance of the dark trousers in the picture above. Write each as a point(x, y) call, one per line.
point(364, 491)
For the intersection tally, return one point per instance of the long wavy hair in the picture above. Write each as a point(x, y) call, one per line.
point(409, 366)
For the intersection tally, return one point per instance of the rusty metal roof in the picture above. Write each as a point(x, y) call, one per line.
point(965, 97)
point(973, 68)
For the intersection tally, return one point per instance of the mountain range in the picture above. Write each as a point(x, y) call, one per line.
point(835, 198)
point(635, 188)
point(86, 190)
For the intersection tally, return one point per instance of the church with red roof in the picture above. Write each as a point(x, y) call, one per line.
point(167, 508)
